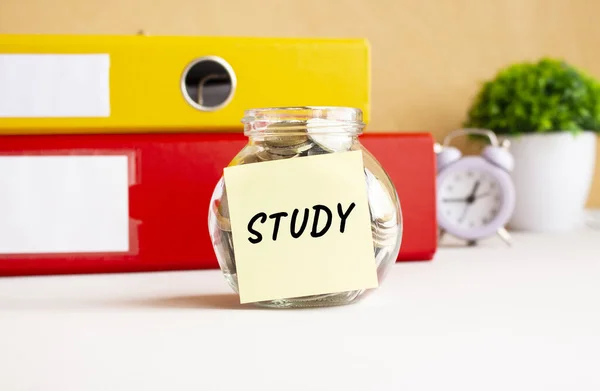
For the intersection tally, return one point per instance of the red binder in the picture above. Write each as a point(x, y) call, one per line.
point(171, 178)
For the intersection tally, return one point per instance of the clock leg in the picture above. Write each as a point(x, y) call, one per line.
point(505, 236)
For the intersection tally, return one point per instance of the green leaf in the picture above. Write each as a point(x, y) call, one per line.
point(546, 96)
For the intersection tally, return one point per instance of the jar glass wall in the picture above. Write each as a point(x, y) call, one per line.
point(297, 132)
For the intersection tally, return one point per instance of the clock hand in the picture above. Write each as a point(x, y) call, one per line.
point(483, 195)
point(474, 191)
point(454, 200)
point(471, 197)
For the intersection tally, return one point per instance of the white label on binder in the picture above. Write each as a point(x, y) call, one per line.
point(64, 204)
point(54, 85)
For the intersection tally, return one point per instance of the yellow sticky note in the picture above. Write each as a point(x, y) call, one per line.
point(280, 254)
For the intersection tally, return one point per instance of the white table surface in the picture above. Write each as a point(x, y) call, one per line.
point(486, 318)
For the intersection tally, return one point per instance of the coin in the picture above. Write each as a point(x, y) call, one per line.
point(221, 211)
point(265, 156)
point(226, 253)
point(384, 238)
point(285, 134)
point(223, 207)
point(223, 223)
point(384, 224)
point(246, 156)
point(317, 150)
point(380, 254)
point(291, 150)
point(380, 203)
point(325, 138)
point(332, 143)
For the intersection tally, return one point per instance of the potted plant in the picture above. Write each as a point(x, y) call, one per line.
point(550, 113)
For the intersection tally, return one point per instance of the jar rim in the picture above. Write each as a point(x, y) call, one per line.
point(330, 119)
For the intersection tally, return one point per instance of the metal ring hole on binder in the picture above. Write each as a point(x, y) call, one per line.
point(208, 83)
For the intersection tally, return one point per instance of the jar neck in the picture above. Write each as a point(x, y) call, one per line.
point(295, 121)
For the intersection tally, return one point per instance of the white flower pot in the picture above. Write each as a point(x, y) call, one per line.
point(552, 175)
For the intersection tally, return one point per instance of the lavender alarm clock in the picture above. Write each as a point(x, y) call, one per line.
point(475, 194)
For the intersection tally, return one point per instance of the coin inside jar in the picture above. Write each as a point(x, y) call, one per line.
point(380, 203)
point(316, 150)
point(292, 150)
point(266, 155)
point(249, 159)
point(319, 132)
point(223, 207)
point(227, 243)
point(383, 238)
point(285, 134)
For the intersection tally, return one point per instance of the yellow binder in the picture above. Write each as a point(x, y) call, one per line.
point(107, 84)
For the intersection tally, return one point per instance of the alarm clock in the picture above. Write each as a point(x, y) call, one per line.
point(475, 195)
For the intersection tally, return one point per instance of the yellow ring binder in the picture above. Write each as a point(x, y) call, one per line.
point(114, 84)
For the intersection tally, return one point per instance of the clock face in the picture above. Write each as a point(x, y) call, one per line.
point(470, 198)
point(474, 198)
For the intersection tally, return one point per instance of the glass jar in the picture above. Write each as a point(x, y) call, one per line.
point(293, 133)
